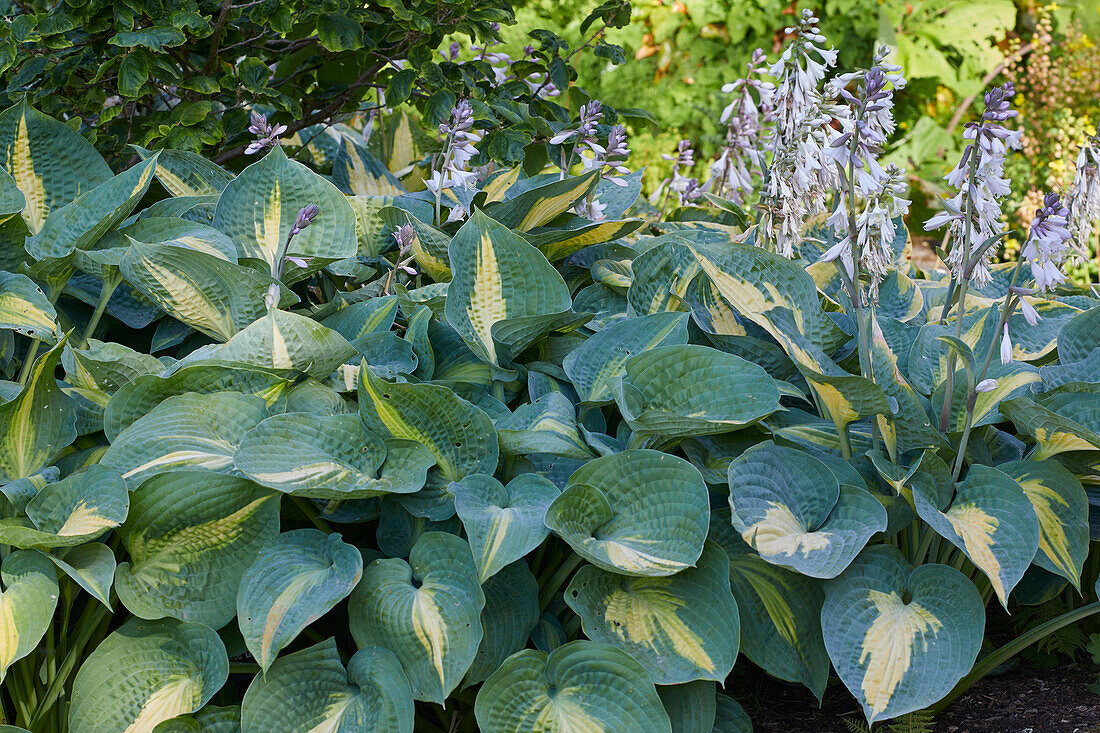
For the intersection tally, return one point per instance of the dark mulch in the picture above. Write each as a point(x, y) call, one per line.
point(1023, 700)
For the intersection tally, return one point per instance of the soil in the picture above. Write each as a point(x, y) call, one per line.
point(1021, 700)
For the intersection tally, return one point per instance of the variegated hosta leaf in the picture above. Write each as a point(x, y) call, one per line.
point(510, 615)
point(1062, 508)
point(430, 246)
point(177, 233)
point(899, 637)
point(188, 431)
point(258, 208)
point(780, 612)
point(309, 692)
point(685, 390)
point(580, 686)
point(138, 398)
point(1013, 380)
point(24, 308)
point(899, 298)
point(356, 320)
point(80, 224)
point(537, 205)
point(426, 611)
point(286, 343)
point(1080, 336)
point(990, 519)
point(909, 427)
point(792, 510)
point(563, 239)
point(682, 627)
point(330, 457)
point(72, 511)
point(691, 707)
point(107, 366)
point(36, 424)
point(459, 435)
point(191, 536)
point(1053, 431)
point(147, 672)
point(207, 293)
point(1071, 373)
point(660, 277)
point(504, 523)
point(211, 719)
point(358, 172)
point(294, 580)
point(27, 603)
point(184, 173)
point(92, 566)
point(595, 364)
point(50, 162)
point(504, 294)
point(547, 425)
point(639, 512)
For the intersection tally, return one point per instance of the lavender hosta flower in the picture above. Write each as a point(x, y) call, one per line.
point(1048, 242)
point(458, 150)
point(610, 157)
point(590, 114)
point(305, 217)
point(981, 185)
point(266, 134)
point(1084, 201)
point(800, 70)
point(405, 235)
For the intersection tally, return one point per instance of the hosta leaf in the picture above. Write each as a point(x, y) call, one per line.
point(430, 246)
point(681, 627)
point(147, 672)
point(426, 611)
point(356, 171)
point(50, 162)
point(537, 205)
point(503, 523)
point(12, 200)
point(547, 425)
point(177, 233)
point(685, 390)
point(1079, 337)
point(294, 580)
point(330, 458)
point(1061, 506)
point(990, 519)
point(207, 293)
point(286, 343)
point(909, 427)
point(309, 691)
point(36, 424)
point(80, 224)
point(582, 685)
point(92, 566)
point(780, 612)
point(359, 319)
point(729, 716)
point(504, 294)
point(660, 277)
point(188, 431)
point(691, 706)
point(560, 241)
point(107, 366)
point(27, 603)
point(511, 614)
point(25, 309)
point(899, 637)
point(72, 511)
point(1013, 380)
point(1054, 433)
point(792, 510)
point(639, 512)
point(258, 208)
point(191, 536)
point(459, 435)
point(211, 719)
point(184, 173)
point(899, 298)
point(595, 364)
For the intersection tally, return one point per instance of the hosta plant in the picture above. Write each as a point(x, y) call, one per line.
point(500, 456)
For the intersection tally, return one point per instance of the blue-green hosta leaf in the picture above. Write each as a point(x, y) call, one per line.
point(535, 206)
point(80, 224)
point(563, 239)
point(459, 435)
point(211, 719)
point(430, 246)
point(295, 579)
point(315, 398)
point(582, 685)
point(188, 431)
point(12, 200)
point(147, 672)
point(77, 509)
point(899, 298)
point(309, 691)
point(184, 173)
point(207, 293)
point(793, 511)
point(1079, 337)
point(1013, 380)
point(50, 162)
point(285, 343)
point(547, 425)
point(909, 427)
point(511, 614)
point(504, 523)
point(729, 716)
point(1061, 506)
point(426, 611)
point(686, 390)
point(175, 232)
point(595, 364)
point(191, 536)
point(24, 308)
point(22, 490)
point(504, 294)
point(780, 612)
point(36, 424)
point(1071, 373)
point(258, 208)
point(1052, 431)
point(639, 512)
point(990, 519)
point(27, 603)
point(899, 637)
point(660, 277)
point(136, 399)
point(367, 316)
point(360, 173)
point(682, 627)
point(691, 706)
point(332, 457)
point(92, 566)
point(106, 366)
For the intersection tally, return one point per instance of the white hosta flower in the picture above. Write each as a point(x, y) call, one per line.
point(1030, 314)
point(1084, 202)
point(986, 385)
point(592, 210)
point(1006, 347)
point(271, 297)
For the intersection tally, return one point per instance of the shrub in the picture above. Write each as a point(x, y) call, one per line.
point(500, 455)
